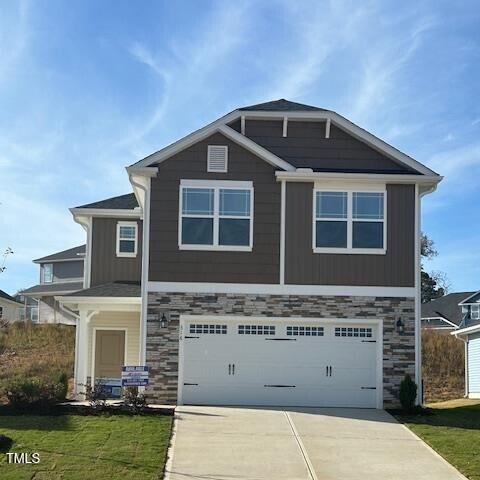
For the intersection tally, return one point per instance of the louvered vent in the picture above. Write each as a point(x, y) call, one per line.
point(217, 158)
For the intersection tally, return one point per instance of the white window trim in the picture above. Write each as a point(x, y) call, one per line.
point(225, 147)
point(349, 249)
point(127, 254)
point(216, 186)
point(43, 273)
point(477, 313)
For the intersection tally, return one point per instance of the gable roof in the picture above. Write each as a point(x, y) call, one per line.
point(473, 298)
point(446, 307)
point(282, 109)
point(6, 296)
point(122, 202)
point(282, 105)
point(47, 289)
point(75, 253)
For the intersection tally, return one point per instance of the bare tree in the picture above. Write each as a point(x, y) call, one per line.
point(3, 266)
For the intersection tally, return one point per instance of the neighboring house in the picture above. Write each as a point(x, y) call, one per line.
point(10, 309)
point(60, 274)
point(30, 307)
point(270, 258)
point(469, 332)
point(444, 313)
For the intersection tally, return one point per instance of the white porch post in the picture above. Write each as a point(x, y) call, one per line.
point(82, 354)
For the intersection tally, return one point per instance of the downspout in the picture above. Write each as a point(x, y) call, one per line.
point(418, 283)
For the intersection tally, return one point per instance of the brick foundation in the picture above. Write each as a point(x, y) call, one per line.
point(162, 343)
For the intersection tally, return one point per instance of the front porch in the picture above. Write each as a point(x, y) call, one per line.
point(107, 335)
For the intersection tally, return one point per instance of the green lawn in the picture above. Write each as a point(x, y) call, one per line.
point(87, 447)
point(453, 431)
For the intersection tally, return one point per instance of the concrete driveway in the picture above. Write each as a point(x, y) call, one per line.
point(221, 443)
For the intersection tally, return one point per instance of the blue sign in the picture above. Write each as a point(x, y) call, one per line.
point(135, 376)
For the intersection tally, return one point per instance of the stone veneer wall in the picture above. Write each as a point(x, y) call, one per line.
point(162, 343)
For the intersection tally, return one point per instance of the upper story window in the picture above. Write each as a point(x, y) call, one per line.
point(47, 273)
point(216, 215)
point(349, 222)
point(475, 312)
point(1, 313)
point(127, 239)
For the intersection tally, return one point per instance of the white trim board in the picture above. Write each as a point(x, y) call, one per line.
point(216, 127)
point(327, 116)
point(277, 289)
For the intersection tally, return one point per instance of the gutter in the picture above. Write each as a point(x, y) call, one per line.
point(308, 175)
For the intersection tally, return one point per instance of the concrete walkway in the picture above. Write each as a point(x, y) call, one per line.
point(221, 443)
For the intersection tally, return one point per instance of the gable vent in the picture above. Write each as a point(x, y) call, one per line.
point(217, 158)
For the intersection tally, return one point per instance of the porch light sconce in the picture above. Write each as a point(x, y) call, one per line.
point(400, 326)
point(164, 320)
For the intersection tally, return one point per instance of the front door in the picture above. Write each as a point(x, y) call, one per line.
point(109, 353)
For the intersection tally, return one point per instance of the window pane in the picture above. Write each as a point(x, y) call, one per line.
point(234, 232)
point(367, 235)
point(235, 202)
point(197, 201)
point(197, 231)
point(127, 246)
point(127, 232)
point(48, 272)
point(331, 234)
point(368, 205)
point(331, 204)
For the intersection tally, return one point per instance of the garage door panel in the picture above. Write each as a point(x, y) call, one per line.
point(303, 364)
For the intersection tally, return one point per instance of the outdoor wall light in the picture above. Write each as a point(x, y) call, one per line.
point(164, 320)
point(400, 326)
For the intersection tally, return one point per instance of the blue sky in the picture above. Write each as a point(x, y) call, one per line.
point(89, 87)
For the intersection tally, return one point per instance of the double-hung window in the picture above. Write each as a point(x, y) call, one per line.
point(216, 215)
point(349, 222)
point(47, 273)
point(475, 312)
point(127, 239)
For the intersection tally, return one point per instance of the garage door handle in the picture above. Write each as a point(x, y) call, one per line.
point(233, 369)
point(330, 370)
point(229, 368)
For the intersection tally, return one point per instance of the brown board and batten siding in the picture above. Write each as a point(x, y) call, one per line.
point(394, 269)
point(169, 264)
point(305, 146)
point(106, 266)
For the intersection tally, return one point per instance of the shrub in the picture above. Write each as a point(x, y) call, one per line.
point(96, 396)
point(23, 392)
point(5, 443)
point(408, 393)
point(133, 400)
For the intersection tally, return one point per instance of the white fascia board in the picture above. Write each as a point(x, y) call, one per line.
point(302, 175)
point(443, 319)
point(463, 302)
point(351, 128)
point(277, 289)
point(255, 148)
point(185, 142)
point(217, 126)
point(142, 171)
point(467, 330)
point(80, 258)
point(66, 300)
point(106, 212)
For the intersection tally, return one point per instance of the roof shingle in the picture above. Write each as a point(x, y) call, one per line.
point(282, 105)
point(122, 202)
point(74, 253)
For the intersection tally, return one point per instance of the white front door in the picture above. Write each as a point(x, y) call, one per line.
point(278, 362)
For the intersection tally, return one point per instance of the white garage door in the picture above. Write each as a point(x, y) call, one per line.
point(278, 363)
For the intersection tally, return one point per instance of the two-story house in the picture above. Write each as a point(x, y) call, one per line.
point(61, 273)
point(270, 258)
